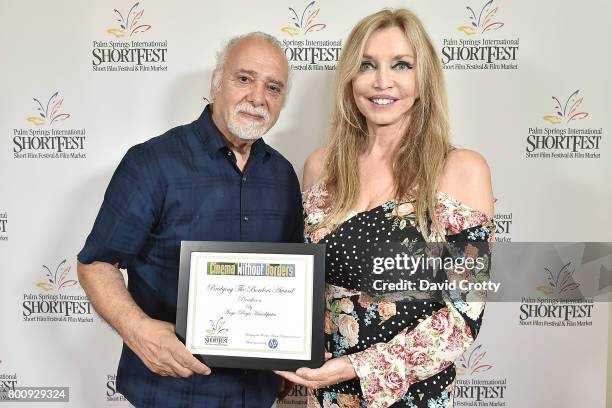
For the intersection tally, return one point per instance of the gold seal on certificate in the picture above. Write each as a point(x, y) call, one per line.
point(252, 305)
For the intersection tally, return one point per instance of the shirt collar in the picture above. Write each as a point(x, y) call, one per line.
point(215, 141)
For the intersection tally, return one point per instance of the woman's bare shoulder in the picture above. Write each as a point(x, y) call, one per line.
point(467, 178)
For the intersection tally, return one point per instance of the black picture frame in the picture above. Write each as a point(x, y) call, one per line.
point(318, 301)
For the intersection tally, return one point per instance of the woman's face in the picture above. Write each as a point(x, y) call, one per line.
point(385, 86)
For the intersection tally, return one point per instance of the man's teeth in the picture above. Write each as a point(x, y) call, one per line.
point(382, 101)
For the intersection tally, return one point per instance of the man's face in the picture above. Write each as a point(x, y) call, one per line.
point(252, 90)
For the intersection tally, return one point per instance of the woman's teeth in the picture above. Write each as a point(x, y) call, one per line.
point(378, 101)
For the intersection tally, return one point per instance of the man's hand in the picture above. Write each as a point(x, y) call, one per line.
point(155, 343)
point(334, 371)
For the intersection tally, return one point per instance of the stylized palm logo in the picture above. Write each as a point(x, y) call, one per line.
point(566, 114)
point(50, 112)
point(126, 26)
point(58, 280)
point(482, 24)
point(304, 24)
point(471, 364)
point(562, 281)
point(216, 328)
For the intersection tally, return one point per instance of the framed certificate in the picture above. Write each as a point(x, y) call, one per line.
point(252, 305)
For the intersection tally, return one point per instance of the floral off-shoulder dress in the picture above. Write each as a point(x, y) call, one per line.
point(401, 349)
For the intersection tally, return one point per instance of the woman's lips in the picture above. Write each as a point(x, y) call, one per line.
point(382, 101)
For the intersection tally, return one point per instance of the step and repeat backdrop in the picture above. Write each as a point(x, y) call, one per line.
point(528, 86)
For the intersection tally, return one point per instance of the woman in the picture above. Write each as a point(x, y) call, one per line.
point(388, 166)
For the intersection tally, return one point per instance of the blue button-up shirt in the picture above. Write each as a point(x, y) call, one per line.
point(185, 185)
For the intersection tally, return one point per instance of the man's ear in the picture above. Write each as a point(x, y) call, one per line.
point(213, 90)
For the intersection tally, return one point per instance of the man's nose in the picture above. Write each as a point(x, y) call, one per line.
point(257, 94)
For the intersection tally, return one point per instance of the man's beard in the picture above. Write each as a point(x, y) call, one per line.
point(246, 129)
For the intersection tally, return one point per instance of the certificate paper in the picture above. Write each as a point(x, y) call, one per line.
point(252, 305)
point(246, 305)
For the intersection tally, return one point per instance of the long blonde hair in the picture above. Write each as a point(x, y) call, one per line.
point(422, 150)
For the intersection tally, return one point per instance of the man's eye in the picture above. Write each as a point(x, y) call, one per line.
point(244, 79)
point(366, 65)
point(274, 89)
point(402, 65)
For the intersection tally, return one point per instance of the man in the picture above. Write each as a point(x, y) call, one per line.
point(213, 180)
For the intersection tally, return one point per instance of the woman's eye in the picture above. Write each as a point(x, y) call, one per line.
point(366, 65)
point(402, 65)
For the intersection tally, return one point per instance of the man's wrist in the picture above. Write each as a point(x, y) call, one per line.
point(131, 325)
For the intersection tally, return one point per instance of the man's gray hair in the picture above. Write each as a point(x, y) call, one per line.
point(224, 52)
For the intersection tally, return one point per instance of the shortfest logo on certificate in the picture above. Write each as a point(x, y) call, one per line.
point(238, 304)
point(216, 333)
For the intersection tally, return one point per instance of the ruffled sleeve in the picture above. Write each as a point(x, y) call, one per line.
point(315, 210)
point(387, 370)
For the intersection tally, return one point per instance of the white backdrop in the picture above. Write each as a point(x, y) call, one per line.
point(48, 204)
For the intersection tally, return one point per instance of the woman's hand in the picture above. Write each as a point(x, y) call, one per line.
point(334, 371)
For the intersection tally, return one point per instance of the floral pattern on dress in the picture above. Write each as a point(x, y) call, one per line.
point(315, 209)
point(389, 370)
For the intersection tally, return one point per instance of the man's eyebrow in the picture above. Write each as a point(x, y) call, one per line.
point(248, 72)
point(255, 74)
point(280, 84)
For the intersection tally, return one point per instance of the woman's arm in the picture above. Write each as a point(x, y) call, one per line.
point(313, 168)
point(467, 178)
